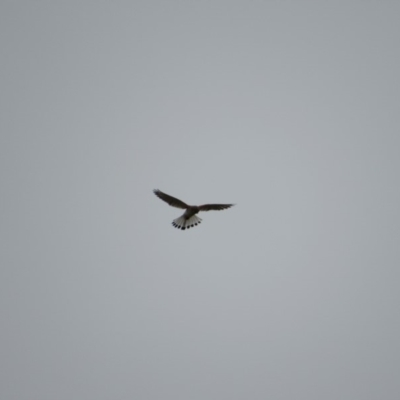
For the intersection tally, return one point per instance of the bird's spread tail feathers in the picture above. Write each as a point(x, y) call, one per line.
point(183, 223)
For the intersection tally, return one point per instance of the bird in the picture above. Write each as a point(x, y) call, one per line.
point(188, 219)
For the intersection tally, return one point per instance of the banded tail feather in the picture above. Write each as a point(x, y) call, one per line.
point(183, 223)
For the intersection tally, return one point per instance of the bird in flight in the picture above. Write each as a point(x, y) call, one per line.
point(188, 219)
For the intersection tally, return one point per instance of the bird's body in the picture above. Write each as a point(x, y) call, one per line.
point(188, 219)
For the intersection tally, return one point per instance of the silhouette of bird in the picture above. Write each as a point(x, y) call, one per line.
point(188, 219)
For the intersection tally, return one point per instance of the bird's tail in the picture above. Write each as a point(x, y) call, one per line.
point(183, 223)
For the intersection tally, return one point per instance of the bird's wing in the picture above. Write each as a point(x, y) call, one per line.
point(172, 201)
point(208, 207)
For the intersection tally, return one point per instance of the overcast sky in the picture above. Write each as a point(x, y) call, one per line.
point(290, 109)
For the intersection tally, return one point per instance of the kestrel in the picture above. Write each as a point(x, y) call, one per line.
point(188, 219)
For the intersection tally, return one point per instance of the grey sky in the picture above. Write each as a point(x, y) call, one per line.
point(290, 109)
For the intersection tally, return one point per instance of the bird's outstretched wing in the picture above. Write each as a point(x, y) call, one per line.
point(172, 201)
point(208, 207)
